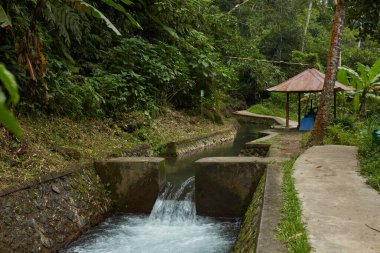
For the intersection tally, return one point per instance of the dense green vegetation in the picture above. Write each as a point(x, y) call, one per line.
point(365, 80)
point(103, 58)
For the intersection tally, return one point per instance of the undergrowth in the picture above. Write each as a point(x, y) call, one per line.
point(359, 133)
point(291, 230)
point(275, 106)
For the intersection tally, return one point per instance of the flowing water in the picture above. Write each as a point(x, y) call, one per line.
point(173, 225)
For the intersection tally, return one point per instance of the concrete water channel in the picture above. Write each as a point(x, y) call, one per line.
point(173, 224)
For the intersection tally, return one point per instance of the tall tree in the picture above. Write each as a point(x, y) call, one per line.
point(307, 24)
point(323, 116)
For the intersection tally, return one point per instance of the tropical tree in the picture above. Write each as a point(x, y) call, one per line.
point(29, 43)
point(364, 80)
point(322, 120)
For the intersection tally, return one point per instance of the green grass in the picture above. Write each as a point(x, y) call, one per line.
point(270, 109)
point(370, 165)
point(291, 230)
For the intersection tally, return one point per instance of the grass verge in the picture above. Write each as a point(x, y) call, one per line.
point(291, 230)
point(360, 134)
point(352, 132)
point(271, 111)
point(369, 159)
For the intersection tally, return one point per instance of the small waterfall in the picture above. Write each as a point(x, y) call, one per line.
point(172, 225)
point(175, 205)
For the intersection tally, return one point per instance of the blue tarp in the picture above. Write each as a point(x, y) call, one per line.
point(307, 123)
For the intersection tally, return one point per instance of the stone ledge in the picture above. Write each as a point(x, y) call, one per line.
point(224, 186)
point(271, 212)
point(267, 135)
point(135, 159)
point(134, 182)
point(54, 175)
point(277, 122)
point(185, 146)
point(242, 159)
point(246, 116)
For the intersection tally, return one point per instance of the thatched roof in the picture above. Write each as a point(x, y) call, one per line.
point(311, 80)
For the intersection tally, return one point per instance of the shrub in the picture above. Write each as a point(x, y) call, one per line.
point(73, 97)
point(159, 68)
point(337, 134)
point(344, 120)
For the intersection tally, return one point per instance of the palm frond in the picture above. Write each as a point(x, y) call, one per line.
point(91, 10)
point(4, 19)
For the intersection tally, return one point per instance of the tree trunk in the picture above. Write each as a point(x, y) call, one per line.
point(323, 116)
point(307, 25)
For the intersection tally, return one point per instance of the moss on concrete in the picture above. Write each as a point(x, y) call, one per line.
point(247, 238)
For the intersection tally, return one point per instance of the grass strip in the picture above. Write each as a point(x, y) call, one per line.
point(369, 159)
point(291, 230)
point(270, 110)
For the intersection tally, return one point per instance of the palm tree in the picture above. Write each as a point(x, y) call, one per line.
point(364, 80)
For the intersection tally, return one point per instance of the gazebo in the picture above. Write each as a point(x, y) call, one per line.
point(309, 81)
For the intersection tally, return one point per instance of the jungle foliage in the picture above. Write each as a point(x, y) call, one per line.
point(101, 58)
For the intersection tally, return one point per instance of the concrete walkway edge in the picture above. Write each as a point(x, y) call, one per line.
point(340, 210)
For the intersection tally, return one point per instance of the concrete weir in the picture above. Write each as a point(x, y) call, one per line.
point(224, 186)
point(134, 182)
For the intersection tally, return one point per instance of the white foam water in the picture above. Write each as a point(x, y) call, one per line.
point(172, 226)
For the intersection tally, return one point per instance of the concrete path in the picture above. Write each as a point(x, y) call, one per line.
point(341, 211)
point(280, 121)
point(286, 144)
point(271, 213)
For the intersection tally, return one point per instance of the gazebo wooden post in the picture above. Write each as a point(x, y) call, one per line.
point(334, 104)
point(309, 81)
point(299, 110)
point(287, 111)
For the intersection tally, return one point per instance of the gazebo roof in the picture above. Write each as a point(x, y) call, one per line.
point(311, 80)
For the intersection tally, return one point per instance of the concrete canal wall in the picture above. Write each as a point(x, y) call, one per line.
point(46, 214)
